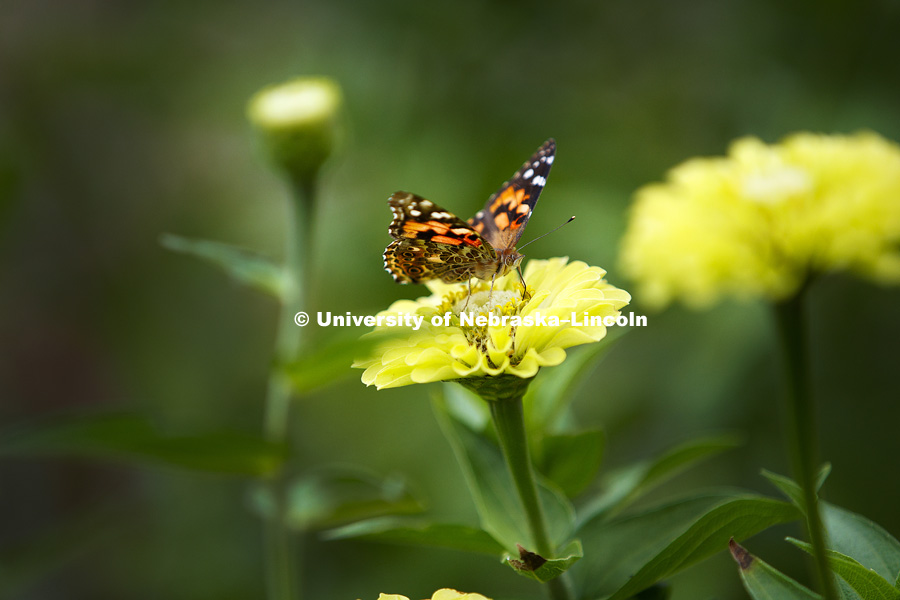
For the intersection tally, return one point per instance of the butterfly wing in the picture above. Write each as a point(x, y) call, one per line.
point(432, 243)
point(503, 219)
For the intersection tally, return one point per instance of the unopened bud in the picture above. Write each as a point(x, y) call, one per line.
point(298, 122)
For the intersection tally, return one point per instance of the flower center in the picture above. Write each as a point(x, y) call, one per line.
point(484, 301)
point(469, 313)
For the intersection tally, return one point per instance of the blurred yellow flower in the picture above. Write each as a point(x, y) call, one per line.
point(444, 594)
point(761, 220)
point(494, 333)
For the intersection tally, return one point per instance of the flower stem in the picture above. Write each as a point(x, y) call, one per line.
point(509, 419)
point(802, 431)
point(289, 340)
point(282, 562)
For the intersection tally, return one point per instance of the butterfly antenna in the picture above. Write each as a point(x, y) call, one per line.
point(524, 285)
point(572, 218)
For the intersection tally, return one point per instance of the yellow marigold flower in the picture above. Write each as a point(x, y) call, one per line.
point(761, 220)
point(444, 594)
point(494, 334)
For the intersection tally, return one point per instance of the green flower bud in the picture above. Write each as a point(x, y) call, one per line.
point(298, 121)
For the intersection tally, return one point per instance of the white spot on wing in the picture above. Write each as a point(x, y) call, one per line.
point(527, 174)
point(538, 180)
point(441, 215)
point(414, 212)
point(548, 160)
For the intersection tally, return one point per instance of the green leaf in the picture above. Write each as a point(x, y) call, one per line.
point(627, 554)
point(571, 460)
point(624, 486)
point(741, 517)
point(786, 486)
point(335, 496)
point(331, 360)
point(548, 397)
point(542, 569)
point(763, 582)
point(865, 582)
point(789, 487)
point(419, 533)
point(134, 440)
point(824, 472)
point(247, 268)
point(493, 491)
point(859, 538)
point(467, 407)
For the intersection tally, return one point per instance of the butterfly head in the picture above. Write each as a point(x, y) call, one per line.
point(509, 260)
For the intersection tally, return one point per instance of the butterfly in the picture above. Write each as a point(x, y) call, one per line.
point(433, 243)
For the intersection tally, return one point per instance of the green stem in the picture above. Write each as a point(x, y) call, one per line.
point(802, 430)
point(509, 419)
point(289, 340)
point(282, 560)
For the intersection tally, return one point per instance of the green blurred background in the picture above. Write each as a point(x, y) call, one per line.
point(121, 121)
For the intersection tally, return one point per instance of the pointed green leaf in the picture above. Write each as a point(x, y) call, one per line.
point(627, 554)
point(763, 582)
point(571, 460)
point(865, 582)
point(493, 491)
point(398, 530)
point(542, 569)
point(824, 472)
point(624, 486)
point(862, 540)
point(741, 517)
point(247, 268)
point(789, 487)
point(786, 486)
point(134, 440)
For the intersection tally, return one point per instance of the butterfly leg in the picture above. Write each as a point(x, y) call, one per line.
point(466, 305)
point(491, 294)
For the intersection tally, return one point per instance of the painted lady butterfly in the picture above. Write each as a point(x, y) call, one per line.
point(433, 243)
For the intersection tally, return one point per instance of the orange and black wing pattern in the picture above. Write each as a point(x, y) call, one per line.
point(431, 243)
point(503, 219)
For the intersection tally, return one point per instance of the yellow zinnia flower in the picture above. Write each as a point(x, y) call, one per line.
point(761, 220)
point(495, 333)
